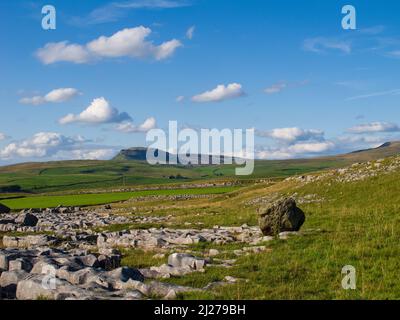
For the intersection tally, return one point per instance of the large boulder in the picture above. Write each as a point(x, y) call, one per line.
point(27, 220)
point(4, 209)
point(280, 216)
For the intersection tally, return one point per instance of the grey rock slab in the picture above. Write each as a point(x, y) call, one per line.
point(186, 260)
point(9, 281)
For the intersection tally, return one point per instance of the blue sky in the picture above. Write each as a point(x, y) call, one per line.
point(114, 69)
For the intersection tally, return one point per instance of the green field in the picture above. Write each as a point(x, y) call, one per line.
point(102, 198)
point(80, 175)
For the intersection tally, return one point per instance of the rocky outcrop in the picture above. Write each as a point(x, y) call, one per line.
point(45, 273)
point(280, 216)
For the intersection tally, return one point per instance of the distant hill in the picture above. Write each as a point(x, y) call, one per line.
point(139, 154)
point(385, 150)
point(130, 168)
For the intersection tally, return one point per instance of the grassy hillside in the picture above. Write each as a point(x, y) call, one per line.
point(77, 175)
point(352, 218)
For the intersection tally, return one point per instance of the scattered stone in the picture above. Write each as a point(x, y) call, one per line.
point(213, 252)
point(285, 235)
point(230, 279)
point(186, 260)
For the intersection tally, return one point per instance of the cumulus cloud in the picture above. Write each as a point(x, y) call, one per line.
point(293, 134)
point(86, 154)
point(39, 145)
point(63, 51)
point(297, 150)
point(311, 147)
point(53, 145)
point(129, 42)
point(129, 127)
point(54, 96)
point(294, 142)
point(99, 111)
point(374, 127)
point(220, 93)
point(190, 32)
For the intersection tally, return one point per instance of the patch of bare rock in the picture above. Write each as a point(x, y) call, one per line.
point(74, 262)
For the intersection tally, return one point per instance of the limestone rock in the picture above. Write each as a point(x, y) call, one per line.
point(281, 216)
point(186, 260)
point(27, 220)
point(9, 281)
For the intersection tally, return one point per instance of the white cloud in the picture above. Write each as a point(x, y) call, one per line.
point(3, 136)
point(130, 42)
point(190, 32)
point(292, 134)
point(298, 150)
point(54, 146)
point(54, 96)
point(322, 44)
point(220, 93)
point(63, 51)
point(311, 147)
point(375, 127)
point(40, 145)
point(275, 88)
point(86, 154)
point(129, 127)
point(99, 111)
